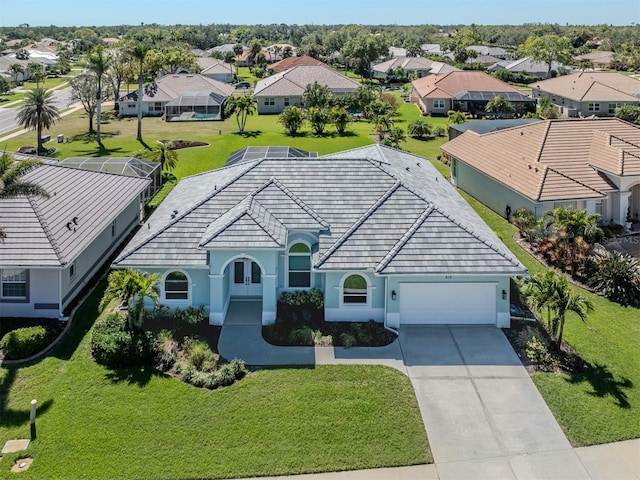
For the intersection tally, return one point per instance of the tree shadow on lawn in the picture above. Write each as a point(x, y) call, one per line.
point(101, 151)
point(249, 133)
point(16, 417)
point(603, 383)
point(139, 376)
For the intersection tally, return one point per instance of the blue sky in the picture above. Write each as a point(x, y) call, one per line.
point(442, 12)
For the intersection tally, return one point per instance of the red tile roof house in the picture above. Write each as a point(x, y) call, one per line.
point(466, 91)
point(589, 93)
point(290, 62)
point(275, 93)
point(592, 164)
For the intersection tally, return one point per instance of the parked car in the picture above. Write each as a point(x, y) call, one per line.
point(242, 85)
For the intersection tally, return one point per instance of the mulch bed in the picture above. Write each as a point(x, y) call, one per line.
point(179, 144)
point(201, 329)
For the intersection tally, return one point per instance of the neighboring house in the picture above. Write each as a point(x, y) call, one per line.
point(5, 64)
point(589, 93)
point(600, 59)
point(379, 231)
point(181, 97)
point(432, 49)
point(397, 52)
point(290, 62)
point(277, 92)
point(498, 52)
point(215, 69)
point(528, 66)
point(54, 246)
point(225, 48)
point(467, 91)
point(132, 166)
point(592, 164)
point(418, 66)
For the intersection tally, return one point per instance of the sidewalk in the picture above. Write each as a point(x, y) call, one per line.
point(484, 417)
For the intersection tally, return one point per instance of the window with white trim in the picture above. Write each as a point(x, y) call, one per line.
point(613, 107)
point(13, 283)
point(176, 286)
point(355, 290)
point(269, 101)
point(299, 263)
point(438, 104)
point(286, 101)
point(594, 107)
point(72, 271)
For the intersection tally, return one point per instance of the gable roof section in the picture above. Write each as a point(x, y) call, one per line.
point(362, 202)
point(593, 86)
point(294, 81)
point(554, 160)
point(245, 225)
point(450, 84)
point(43, 233)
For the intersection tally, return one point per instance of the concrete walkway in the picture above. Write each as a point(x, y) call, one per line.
point(484, 417)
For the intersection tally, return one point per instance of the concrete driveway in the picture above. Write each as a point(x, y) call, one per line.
point(483, 414)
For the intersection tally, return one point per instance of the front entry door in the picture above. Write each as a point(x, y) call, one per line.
point(246, 278)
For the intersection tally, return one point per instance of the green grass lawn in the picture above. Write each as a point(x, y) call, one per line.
point(138, 423)
point(601, 404)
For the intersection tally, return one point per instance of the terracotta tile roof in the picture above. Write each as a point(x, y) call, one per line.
point(448, 85)
point(592, 86)
point(290, 62)
point(554, 160)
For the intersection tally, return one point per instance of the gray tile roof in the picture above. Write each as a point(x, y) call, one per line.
point(42, 232)
point(375, 208)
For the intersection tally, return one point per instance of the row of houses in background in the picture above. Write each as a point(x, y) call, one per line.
point(43, 55)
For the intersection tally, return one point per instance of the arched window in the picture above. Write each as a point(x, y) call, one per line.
point(176, 286)
point(299, 266)
point(354, 290)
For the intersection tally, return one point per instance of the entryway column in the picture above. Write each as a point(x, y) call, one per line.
point(217, 301)
point(269, 298)
point(620, 206)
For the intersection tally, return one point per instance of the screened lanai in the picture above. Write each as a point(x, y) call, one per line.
point(195, 106)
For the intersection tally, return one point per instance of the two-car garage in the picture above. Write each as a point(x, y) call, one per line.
point(447, 303)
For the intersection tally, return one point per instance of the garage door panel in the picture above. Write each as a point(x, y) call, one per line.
point(448, 303)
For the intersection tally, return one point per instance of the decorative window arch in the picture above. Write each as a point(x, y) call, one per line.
point(299, 265)
point(176, 286)
point(355, 290)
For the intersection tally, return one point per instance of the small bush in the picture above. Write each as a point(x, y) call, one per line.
point(190, 315)
point(347, 340)
point(199, 355)
point(23, 342)
point(114, 346)
point(301, 336)
point(536, 348)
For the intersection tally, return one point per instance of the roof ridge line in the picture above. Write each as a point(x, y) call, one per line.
point(514, 259)
point(404, 239)
point(572, 179)
point(358, 223)
point(538, 156)
point(248, 212)
point(46, 229)
point(298, 201)
point(124, 254)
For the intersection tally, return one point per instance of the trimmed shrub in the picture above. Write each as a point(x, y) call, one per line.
point(23, 342)
point(114, 346)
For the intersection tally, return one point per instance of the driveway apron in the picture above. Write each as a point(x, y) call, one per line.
point(483, 414)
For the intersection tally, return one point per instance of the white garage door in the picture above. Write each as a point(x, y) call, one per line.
point(448, 303)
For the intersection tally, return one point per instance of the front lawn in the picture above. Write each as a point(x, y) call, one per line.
point(602, 403)
point(138, 423)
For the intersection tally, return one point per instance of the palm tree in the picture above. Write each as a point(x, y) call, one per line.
point(11, 185)
point(16, 69)
point(165, 155)
point(38, 112)
point(291, 119)
point(340, 118)
point(130, 288)
point(419, 128)
point(98, 63)
point(242, 106)
point(139, 54)
point(550, 291)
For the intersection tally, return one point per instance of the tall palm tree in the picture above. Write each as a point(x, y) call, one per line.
point(139, 54)
point(565, 300)
point(16, 69)
point(130, 288)
point(11, 185)
point(38, 112)
point(98, 63)
point(242, 106)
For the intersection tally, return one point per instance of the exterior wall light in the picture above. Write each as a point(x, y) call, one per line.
point(393, 295)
